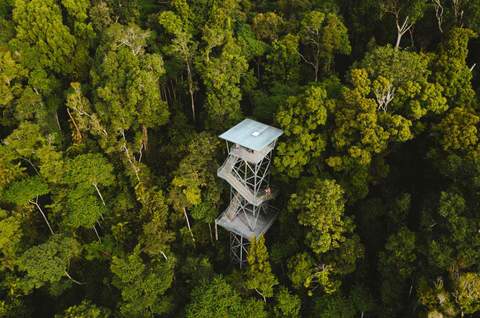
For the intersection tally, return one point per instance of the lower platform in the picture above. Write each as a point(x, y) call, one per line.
point(239, 225)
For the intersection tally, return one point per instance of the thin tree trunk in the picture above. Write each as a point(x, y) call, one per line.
point(75, 125)
point(43, 214)
point(211, 234)
point(31, 164)
point(438, 13)
point(188, 223)
point(190, 90)
point(73, 280)
point(127, 153)
point(99, 193)
point(264, 299)
point(96, 233)
point(58, 121)
point(145, 137)
point(399, 39)
point(173, 91)
point(402, 29)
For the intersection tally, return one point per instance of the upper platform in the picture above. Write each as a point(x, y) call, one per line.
point(252, 134)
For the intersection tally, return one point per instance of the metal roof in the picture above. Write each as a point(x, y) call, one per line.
point(252, 134)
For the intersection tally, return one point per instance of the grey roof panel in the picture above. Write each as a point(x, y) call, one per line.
point(252, 134)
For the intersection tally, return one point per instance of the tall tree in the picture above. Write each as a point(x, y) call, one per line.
point(48, 262)
point(405, 13)
point(320, 207)
point(218, 299)
point(127, 94)
point(221, 66)
point(143, 284)
point(302, 119)
point(259, 273)
point(194, 185)
point(183, 45)
point(451, 69)
point(326, 36)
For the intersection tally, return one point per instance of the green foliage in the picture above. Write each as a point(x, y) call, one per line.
point(221, 75)
point(287, 305)
point(10, 239)
point(142, 285)
point(302, 118)
point(320, 207)
point(326, 36)
point(217, 299)
point(11, 74)
point(194, 184)
point(85, 208)
point(400, 253)
point(156, 236)
point(458, 130)
point(437, 299)
point(334, 306)
point(396, 264)
point(267, 25)
point(23, 191)
point(47, 262)
point(468, 292)
point(110, 112)
point(85, 310)
point(41, 36)
point(89, 169)
point(127, 81)
point(259, 275)
point(283, 60)
point(451, 70)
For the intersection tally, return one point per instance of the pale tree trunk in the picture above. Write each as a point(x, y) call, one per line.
point(211, 234)
point(43, 214)
point(73, 280)
point(31, 164)
point(315, 65)
point(79, 133)
point(129, 157)
point(190, 89)
point(188, 223)
point(457, 11)
point(145, 137)
point(264, 298)
point(99, 193)
point(402, 29)
point(58, 121)
point(96, 233)
point(439, 13)
point(384, 96)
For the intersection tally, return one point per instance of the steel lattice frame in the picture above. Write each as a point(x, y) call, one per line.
point(238, 249)
point(256, 177)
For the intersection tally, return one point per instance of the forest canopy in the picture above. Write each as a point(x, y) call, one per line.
point(110, 112)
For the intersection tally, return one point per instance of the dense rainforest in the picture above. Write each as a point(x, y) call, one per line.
point(110, 116)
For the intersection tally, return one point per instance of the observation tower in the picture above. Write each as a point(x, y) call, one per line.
point(250, 147)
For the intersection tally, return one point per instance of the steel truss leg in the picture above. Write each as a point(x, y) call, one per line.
point(238, 249)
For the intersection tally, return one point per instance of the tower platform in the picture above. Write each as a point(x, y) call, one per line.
point(239, 225)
